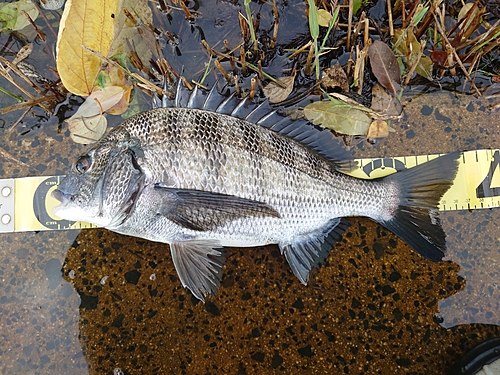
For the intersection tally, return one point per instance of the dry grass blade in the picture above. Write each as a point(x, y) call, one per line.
point(4, 73)
point(29, 103)
point(457, 58)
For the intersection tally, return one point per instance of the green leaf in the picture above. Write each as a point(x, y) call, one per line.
point(12, 17)
point(338, 116)
point(313, 20)
point(356, 4)
point(424, 65)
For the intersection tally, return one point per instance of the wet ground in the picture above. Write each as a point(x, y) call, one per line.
point(101, 303)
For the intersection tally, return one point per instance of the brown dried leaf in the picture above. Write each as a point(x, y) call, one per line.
point(335, 76)
point(23, 53)
point(275, 93)
point(123, 104)
point(378, 129)
point(384, 103)
point(385, 66)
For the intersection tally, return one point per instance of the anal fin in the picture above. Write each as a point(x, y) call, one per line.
point(310, 251)
point(199, 266)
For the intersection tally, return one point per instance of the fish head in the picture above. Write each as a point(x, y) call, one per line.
point(103, 184)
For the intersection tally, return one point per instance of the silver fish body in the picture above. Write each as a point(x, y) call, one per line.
point(201, 178)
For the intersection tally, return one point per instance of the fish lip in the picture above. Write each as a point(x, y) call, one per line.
point(61, 197)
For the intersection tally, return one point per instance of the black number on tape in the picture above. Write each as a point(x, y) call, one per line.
point(485, 190)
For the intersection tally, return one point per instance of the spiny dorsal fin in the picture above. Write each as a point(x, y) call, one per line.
point(261, 113)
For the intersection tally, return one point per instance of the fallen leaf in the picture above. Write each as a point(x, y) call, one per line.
point(99, 101)
point(127, 35)
point(12, 17)
point(378, 129)
point(403, 38)
point(90, 23)
point(338, 116)
point(385, 66)
point(384, 103)
point(86, 130)
point(122, 105)
point(356, 5)
point(23, 53)
point(324, 17)
point(88, 124)
point(275, 93)
point(439, 58)
point(335, 76)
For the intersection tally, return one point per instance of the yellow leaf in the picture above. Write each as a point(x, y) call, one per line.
point(89, 23)
point(120, 107)
point(324, 17)
point(130, 36)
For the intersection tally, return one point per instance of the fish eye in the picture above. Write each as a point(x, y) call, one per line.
point(83, 164)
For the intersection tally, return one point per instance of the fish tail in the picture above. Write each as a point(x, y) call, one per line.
point(416, 220)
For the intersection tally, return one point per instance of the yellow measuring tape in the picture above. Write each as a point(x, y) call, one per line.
point(26, 203)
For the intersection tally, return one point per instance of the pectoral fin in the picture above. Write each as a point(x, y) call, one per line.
point(204, 211)
point(199, 266)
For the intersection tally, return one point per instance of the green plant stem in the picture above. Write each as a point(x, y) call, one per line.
point(250, 22)
point(18, 98)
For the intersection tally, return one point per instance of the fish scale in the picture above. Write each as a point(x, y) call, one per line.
point(204, 177)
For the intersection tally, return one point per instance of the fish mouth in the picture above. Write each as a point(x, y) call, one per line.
point(62, 198)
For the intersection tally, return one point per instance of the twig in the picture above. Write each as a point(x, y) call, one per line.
point(29, 103)
point(18, 71)
point(300, 50)
point(415, 63)
point(349, 25)
point(9, 157)
point(7, 76)
point(145, 83)
point(457, 58)
point(389, 14)
point(18, 121)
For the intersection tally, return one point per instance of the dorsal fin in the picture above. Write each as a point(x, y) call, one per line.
point(261, 113)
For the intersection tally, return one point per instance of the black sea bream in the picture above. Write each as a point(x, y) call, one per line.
point(212, 171)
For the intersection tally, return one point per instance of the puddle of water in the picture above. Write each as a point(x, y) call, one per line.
point(98, 302)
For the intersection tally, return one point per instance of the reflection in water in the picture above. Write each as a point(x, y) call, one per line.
point(474, 243)
point(370, 309)
point(38, 309)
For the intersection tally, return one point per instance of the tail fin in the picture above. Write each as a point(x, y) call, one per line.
point(416, 221)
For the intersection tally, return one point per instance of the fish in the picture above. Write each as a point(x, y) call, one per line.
point(206, 171)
